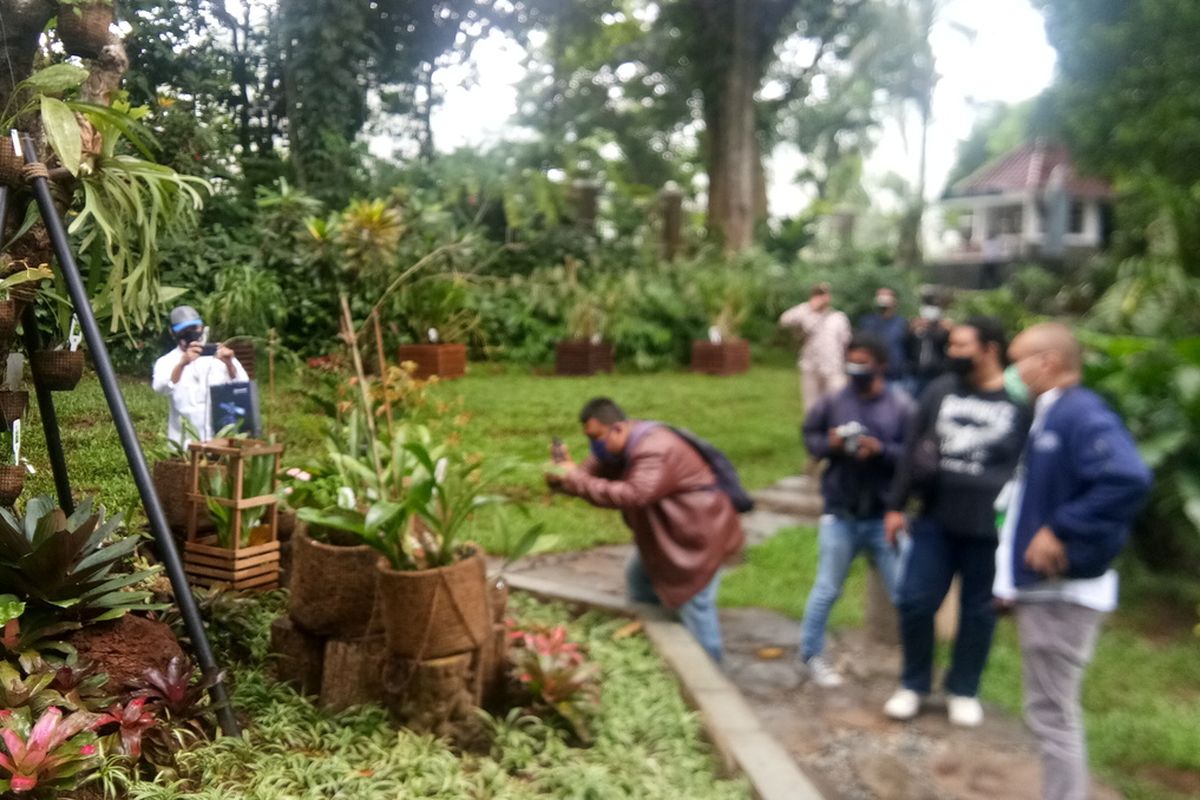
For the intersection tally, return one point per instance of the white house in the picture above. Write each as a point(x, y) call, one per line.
point(1028, 204)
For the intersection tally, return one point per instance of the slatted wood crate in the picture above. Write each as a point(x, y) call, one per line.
point(250, 565)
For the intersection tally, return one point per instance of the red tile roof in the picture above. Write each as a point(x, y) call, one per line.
point(1029, 167)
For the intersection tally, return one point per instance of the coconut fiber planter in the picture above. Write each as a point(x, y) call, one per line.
point(582, 358)
point(332, 587)
point(12, 483)
point(12, 407)
point(445, 361)
point(10, 315)
point(435, 613)
point(723, 358)
point(84, 28)
point(57, 370)
point(173, 482)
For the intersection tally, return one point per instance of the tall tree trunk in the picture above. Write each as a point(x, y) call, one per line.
point(733, 156)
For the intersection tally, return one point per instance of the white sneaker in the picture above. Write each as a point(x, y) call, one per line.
point(823, 674)
point(965, 712)
point(903, 705)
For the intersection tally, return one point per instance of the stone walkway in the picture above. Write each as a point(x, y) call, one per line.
point(840, 737)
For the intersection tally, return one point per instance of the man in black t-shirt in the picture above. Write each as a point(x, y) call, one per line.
point(965, 443)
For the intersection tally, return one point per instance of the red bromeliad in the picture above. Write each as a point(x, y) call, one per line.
point(53, 751)
point(133, 720)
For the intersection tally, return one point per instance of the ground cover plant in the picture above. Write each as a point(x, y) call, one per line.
point(1140, 699)
point(646, 743)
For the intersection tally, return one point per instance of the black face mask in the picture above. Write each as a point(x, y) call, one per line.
point(862, 378)
point(960, 365)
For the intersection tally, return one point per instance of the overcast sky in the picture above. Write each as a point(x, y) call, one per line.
point(1009, 60)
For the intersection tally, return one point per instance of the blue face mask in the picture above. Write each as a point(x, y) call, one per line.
point(600, 450)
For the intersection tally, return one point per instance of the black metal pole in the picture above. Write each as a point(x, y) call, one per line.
point(50, 428)
point(33, 343)
point(133, 449)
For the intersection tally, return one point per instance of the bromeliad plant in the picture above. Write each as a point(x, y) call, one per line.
point(48, 755)
point(69, 567)
point(557, 675)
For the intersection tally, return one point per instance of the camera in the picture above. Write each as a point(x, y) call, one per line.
point(208, 349)
point(851, 433)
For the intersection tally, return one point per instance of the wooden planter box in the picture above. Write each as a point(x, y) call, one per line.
point(581, 357)
point(727, 358)
point(244, 352)
point(207, 564)
point(446, 361)
point(241, 566)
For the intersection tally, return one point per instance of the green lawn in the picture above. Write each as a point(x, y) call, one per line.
point(1142, 695)
point(513, 413)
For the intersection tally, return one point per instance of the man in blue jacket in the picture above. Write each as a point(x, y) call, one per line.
point(1074, 497)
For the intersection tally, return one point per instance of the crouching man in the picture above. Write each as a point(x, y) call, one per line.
point(684, 526)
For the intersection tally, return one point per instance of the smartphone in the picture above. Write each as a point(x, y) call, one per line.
point(558, 453)
point(208, 349)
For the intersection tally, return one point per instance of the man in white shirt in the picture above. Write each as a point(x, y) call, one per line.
point(1079, 486)
point(185, 375)
point(825, 333)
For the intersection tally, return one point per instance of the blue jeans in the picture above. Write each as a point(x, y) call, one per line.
point(698, 615)
point(936, 556)
point(841, 539)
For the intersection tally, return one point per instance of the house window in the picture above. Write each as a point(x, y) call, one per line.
point(1005, 220)
point(1076, 219)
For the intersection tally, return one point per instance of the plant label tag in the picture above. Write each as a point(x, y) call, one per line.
point(13, 370)
point(16, 441)
point(75, 335)
point(714, 334)
point(433, 335)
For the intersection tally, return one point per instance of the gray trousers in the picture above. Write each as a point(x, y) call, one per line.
point(1057, 641)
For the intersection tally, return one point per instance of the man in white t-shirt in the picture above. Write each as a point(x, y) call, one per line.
point(185, 375)
point(1079, 486)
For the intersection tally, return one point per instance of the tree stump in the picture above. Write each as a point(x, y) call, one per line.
point(353, 672)
point(435, 696)
point(299, 655)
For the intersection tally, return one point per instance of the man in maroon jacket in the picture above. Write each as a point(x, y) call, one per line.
point(683, 525)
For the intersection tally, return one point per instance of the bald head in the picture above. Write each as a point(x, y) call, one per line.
point(1047, 356)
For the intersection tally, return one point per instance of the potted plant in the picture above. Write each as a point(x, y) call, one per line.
point(433, 592)
point(12, 301)
point(438, 317)
point(83, 25)
point(333, 577)
point(725, 296)
point(241, 502)
point(60, 369)
point(585, 352)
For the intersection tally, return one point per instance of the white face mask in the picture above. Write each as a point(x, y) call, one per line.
point(931, 313)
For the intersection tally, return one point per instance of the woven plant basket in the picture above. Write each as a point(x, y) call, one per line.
point(172, 482)
point(12, 406)
point(85, 33)
point(434, 613)
point(11, 164)
point(10, 314)
point(57, 370)
point(332, 587)
point(12, 482)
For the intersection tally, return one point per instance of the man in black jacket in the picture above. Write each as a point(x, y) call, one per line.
point(966, 440)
